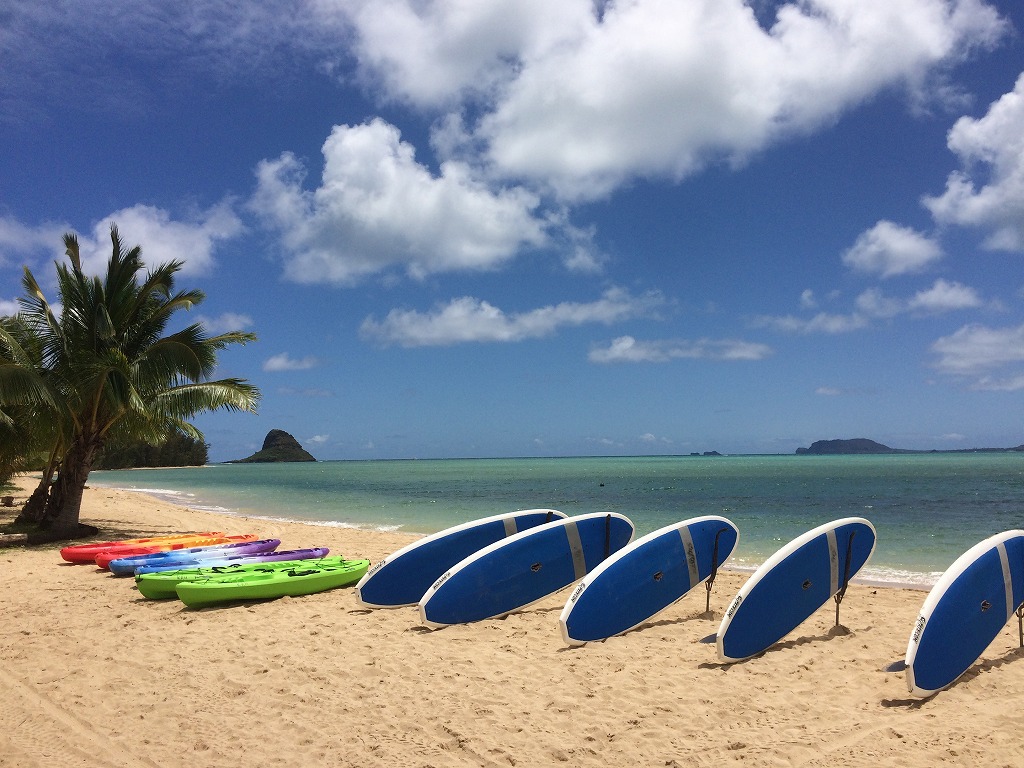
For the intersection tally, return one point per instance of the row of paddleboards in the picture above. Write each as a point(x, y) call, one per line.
point(494, 566)
point(491, 567)
point(219, 568)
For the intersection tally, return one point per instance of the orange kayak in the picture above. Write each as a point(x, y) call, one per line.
point(86, 553)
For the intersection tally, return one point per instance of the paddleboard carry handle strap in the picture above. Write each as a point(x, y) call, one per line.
point(710, 582)
point(846, 575)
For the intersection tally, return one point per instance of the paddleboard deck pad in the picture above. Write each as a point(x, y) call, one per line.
point(965, 611)
point(646, 577)
point(522, 569)
point(402, 577)
point(792, 584)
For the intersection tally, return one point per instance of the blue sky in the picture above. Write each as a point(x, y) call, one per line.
point(475, 228)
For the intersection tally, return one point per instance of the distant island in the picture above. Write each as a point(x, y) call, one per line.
point(277, 446)
point(861, 445)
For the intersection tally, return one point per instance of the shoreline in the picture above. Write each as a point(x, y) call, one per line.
point(98, 676)
point(174, 497)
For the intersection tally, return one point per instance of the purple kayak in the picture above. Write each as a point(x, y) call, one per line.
point(186, 558)
point(266, 557)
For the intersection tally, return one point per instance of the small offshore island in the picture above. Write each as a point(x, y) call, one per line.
point(278, 446)
point(862, 445)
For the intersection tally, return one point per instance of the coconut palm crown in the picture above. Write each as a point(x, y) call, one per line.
point(106, 369)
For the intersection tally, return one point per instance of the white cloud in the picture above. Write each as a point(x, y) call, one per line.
point(9, 307)
point(823, 322)
point(626, 349)
point(19, 242)
point(989, 192)
point(469, 319)
point(659, 88)
point(284, 362)
point(872, 304)
point(377, 208)
point(992, 384)
point(225, 322)
point(888, 249)
point(975, 349)
point(162, 238)
point(431, 54)
point(318, 439)
point(945, 296)
point(807, 300)
point(828, 391)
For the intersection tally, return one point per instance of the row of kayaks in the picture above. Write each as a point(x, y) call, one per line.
point(209, 568)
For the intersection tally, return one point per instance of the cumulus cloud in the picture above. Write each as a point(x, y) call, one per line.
point(20, 242)
point(888, 249)
point(659, 89)
point(9, 307)
point(225, 322)
point(989, 191)
point(377, 209)
point(469, 319)
point(192, 240)
point(626, 349)
point(431, 54)
point(945, 296)
point(823, 322)
point(975, 349)
point(285, 362)
point(873, 304)
point(992, 357)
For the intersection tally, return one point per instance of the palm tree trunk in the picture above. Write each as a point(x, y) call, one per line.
point(35, 508)
point(64, 506)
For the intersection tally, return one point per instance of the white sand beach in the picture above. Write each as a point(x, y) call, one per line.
point(92, 674)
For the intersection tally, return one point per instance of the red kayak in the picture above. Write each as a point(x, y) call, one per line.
point(86, 553)
point(103, 558)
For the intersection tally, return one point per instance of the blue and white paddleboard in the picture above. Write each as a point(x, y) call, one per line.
point(646, 577)
point(522, 569)
point(792, 584)
point(966, 609)
point(402, 577)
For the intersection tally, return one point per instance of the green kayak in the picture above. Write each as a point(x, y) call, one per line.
point(304, 579)
point(162, 585)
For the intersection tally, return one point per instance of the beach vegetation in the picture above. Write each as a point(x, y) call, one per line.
point(98, 367)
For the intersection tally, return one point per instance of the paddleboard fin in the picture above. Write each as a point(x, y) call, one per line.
point(710, 582)
point(846, 575)
point(1020, 625)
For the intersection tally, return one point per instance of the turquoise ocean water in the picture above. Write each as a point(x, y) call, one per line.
point(927, 508)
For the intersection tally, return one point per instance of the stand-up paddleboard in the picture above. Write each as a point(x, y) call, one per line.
point(520, 570)
point(646, 577)
point(792, 584)
point(402, 577)
point(966, 609)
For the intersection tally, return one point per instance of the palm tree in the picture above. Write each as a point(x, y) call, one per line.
point(114, 372)
point(29, 408)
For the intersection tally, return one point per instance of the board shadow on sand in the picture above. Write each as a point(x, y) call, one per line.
point(974, 671)
point(784, 645)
